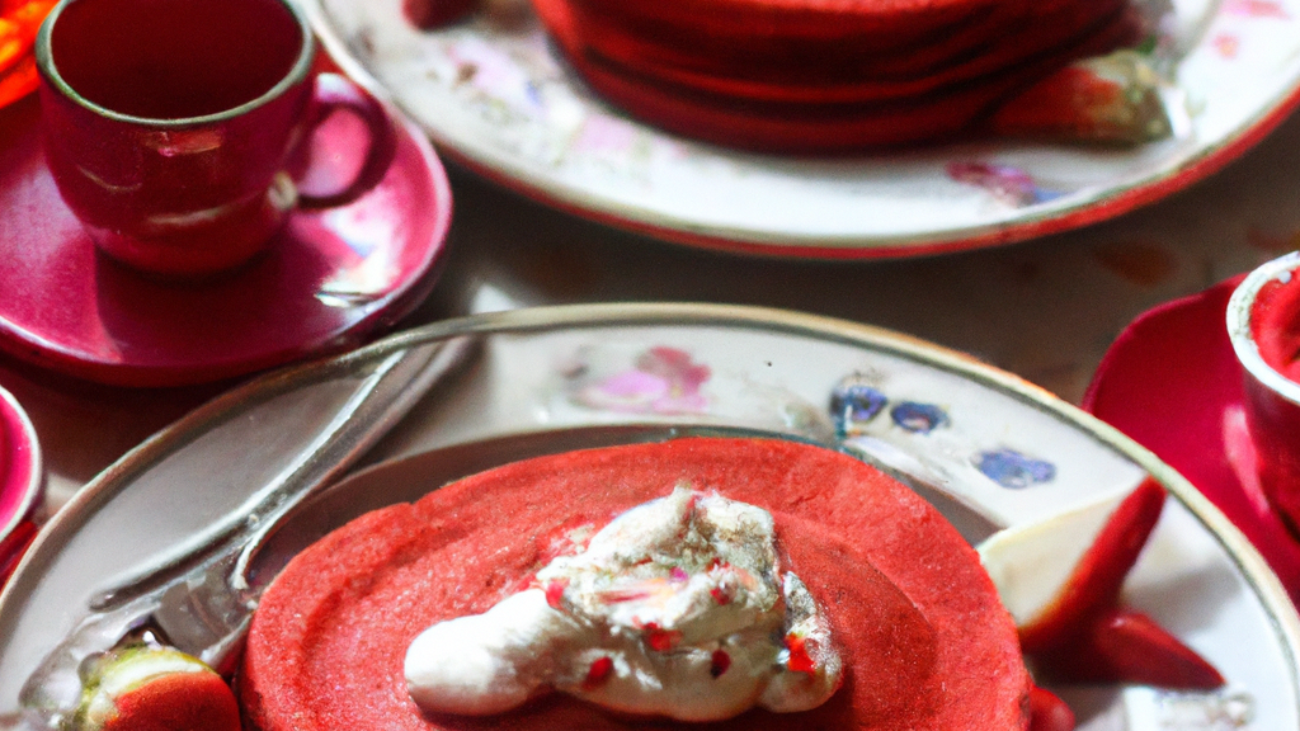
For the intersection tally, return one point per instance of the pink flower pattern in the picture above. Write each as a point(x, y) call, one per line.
point(1010, 185)
point(1256, 8)
point(1226, 44)
point(663, 380)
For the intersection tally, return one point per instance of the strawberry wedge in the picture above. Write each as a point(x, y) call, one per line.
point(152, 688)
point(1061, 579)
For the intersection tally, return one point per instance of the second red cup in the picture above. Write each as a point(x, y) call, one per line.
point(1264, 327)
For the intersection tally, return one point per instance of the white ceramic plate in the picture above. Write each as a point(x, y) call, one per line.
point(493, 94)
point(987, 448)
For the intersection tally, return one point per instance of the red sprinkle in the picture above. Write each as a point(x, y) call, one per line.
point(598, 673)
point(721, 597)
point(661, 640)
point(800, 661)
point(719, 663)
point(555, 593)
point(678, 574)
point(690, 503)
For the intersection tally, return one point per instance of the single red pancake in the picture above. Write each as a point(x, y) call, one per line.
point(926, 642)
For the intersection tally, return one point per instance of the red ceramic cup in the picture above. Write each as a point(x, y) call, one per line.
point(1264, 326)
point(175, 129)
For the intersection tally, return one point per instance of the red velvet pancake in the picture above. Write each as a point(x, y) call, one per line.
point(926, 642)
point(823, 75)
point(829, 127)
point(842, 67)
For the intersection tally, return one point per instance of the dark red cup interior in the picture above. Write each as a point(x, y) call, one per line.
point(1275, 325)
point(174, 59)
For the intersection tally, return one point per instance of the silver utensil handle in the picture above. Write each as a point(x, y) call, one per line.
point(199, 594)
point(384, 397)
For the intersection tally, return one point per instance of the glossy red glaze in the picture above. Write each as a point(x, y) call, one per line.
point(334, 93)
point(1274, 424)
point(22, 483)
point(328, 279)
point(1172, 382)
point(1274, 418)
point(20, 464)
point(171, 126)
point(1272, 381)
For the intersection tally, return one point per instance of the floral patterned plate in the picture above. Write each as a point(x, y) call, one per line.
point(987, 448)
point(493, 94)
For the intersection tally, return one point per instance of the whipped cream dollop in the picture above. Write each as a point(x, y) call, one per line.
point(679, 608)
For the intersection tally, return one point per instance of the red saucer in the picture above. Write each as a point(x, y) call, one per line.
point(1172, 383)
point(329, 279)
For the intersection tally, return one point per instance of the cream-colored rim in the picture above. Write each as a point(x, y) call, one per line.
point(1240, 307)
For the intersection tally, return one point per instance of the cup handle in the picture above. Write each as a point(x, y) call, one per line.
point(334, 92)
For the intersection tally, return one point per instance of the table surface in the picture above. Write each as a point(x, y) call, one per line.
point(1045, 310)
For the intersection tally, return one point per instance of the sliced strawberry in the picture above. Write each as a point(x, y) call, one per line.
point(1047, 712)
point(154, 688)
point(1113, 99)
point(1094, 584)
point(190, 701)
point(1069, 620)
point(1124, 646)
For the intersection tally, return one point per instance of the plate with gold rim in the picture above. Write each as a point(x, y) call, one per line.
point(988, 449)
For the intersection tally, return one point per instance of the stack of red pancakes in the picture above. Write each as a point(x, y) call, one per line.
point(819, 76)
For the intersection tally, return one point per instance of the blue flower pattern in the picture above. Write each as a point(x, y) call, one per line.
point(1011, 469)
point(854, 403)
point(917, 417)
